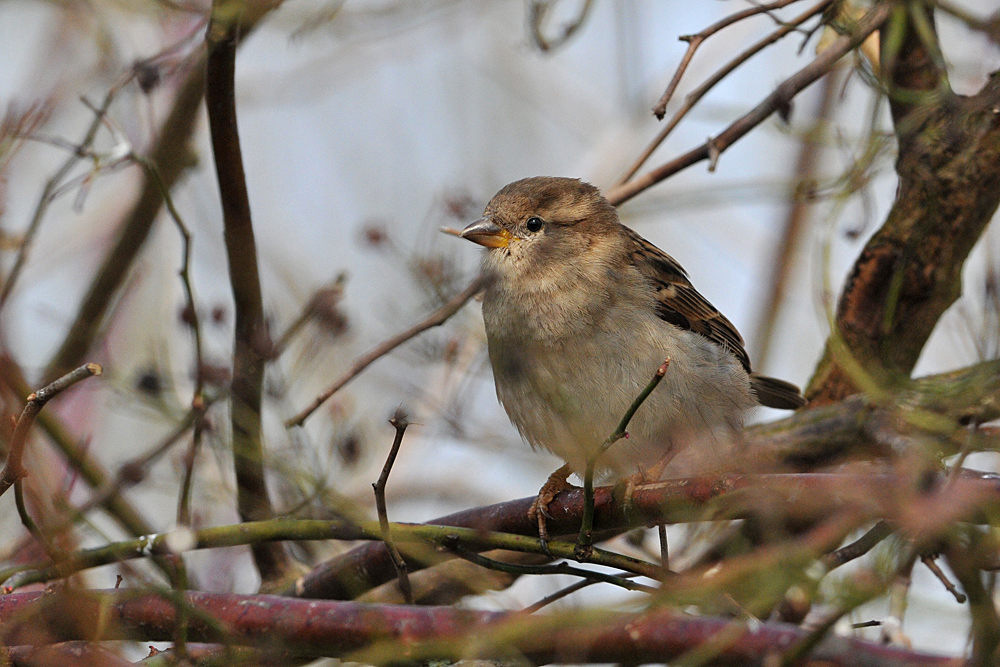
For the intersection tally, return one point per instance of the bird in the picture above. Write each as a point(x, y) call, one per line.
point(580, 311)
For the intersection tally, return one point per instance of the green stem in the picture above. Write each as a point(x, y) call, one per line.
point(276, 530)
point(586, 539)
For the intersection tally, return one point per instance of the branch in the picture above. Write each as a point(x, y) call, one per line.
point(695, 95)
point(912, 64)
point(399, 422)
point(586, 537)
point(862, 427)
point(79, 151)
point(802, 497)
point(14, 470)
point(377, 633)
point(171, 158)
point(67, 654)
point(910, 271)
point(537, 11)
point(241, 249)
point(696, 40)
point(438, 317)
point(91, 472)
point(776, 101)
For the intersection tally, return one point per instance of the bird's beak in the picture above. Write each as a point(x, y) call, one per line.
point(487, 233)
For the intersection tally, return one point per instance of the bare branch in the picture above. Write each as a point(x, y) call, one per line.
point(170, 155)
point(776, 101)
point(695, 95)
point(249, 347)
point(374, 633)
point(14, 468)
point(586, 537)
point(399, 422)
point(437, 318)
point(696, 40)
point(910, 271)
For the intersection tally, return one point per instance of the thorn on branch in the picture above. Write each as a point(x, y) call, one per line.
point(713, 154)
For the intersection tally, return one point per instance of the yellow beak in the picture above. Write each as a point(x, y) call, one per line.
point(487, 233)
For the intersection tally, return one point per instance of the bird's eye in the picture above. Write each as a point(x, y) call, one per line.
point(534, 224)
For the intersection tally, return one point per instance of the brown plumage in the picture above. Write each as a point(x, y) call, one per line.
point(680, 304)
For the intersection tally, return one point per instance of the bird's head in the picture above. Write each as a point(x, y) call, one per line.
point(536, 222)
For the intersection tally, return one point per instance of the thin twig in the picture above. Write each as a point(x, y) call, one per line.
point(776, 101)
point(171, 155)
point(190, 456)
point(277, 530)
point(857, 548)
point(198, 403)
point(49, 192)
point(77, 457)
point(557, 568)
point(14, 469)
point(696, 40)
point(586, 539)
point(661, 533)
point(399, 422)
point(695, 95)
point(558, 595)
point(929, 561)
point(134, 471)
point(436, 318)
point(50, 549)
point(198, 399)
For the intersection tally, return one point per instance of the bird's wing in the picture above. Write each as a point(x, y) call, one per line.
point(679, 303)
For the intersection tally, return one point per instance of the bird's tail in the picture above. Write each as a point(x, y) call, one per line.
point(775, 393)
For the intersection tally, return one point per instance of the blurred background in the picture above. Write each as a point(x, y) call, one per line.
point(366, 126)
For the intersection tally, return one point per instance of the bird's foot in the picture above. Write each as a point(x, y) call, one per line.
point(556, 484)
point(625, 488)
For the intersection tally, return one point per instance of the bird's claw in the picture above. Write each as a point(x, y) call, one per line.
point(539, 511)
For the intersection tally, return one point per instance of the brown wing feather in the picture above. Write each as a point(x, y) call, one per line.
point(679, 303)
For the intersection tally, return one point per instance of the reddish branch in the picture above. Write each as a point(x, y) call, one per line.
point(380, 633)
point(67, 654)
point(251, 343)
point(800, 498)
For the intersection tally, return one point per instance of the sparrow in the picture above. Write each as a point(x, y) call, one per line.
point(580, 312)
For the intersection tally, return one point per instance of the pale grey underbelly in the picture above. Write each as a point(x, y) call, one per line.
point(567, 397)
